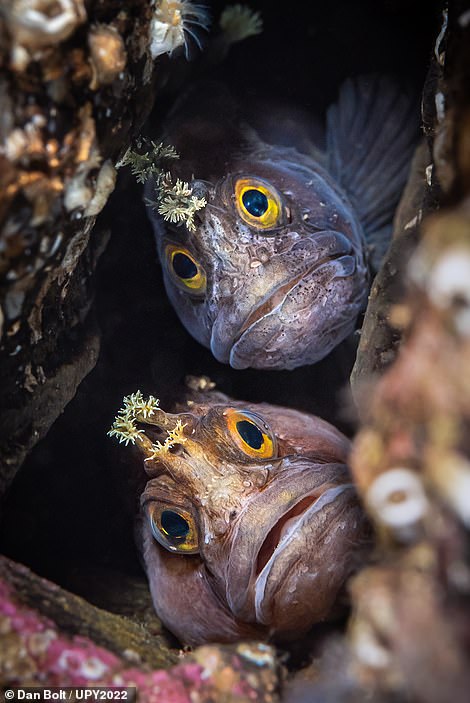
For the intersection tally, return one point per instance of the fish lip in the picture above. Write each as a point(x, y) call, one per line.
point(327, 496)
point(223, 350)
point(276, 297)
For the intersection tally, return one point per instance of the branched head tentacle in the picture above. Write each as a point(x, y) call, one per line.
point(135, 409)
point(175, 201)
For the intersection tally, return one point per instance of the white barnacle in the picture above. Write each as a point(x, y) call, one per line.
point(107, 54)
point(367, 647)
point(397, 500)
point(79, 189)
point(36, 24)
point(451, 475)
point(448, 286)
point(175, 23)
point(78, 192)
point(93, 668)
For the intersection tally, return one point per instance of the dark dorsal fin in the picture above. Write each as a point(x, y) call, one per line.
point(372, 131)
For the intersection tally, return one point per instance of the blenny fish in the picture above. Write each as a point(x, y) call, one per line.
point(249, 524)
point(276, 270)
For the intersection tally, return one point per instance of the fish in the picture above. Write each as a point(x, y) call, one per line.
point(276, 270)
point(249, 525)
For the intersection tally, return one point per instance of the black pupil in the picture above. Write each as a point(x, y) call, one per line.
point(173, 524)
point(255, 202)
point(183, 266)
point(250, 434)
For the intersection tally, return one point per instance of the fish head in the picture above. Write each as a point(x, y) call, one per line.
point(259, 502)
point(274, 274)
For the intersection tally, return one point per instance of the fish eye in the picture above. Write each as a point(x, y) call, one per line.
point(258, 203)
point(251, 434)
point(185, 270)
point(255, 202)
point(174, 529)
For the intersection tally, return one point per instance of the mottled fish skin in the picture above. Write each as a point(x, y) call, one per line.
point(268, 296)
point(275, 530)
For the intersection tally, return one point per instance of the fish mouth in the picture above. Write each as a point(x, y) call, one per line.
point(237, 326)
point(230, 327)
point(275, 298)
point(276, 533)
point(281, 534)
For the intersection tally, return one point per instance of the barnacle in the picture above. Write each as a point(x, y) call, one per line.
point(36, 24)
point(397, 499)
point(105, 182)
point(239, 22)
point(107, 54)
point(174, 22)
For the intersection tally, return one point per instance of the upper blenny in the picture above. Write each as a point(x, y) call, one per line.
point(274, 271)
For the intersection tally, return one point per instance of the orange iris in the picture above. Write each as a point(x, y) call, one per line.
point(250, 433)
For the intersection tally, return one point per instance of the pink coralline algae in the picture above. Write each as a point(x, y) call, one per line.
point(36, 652)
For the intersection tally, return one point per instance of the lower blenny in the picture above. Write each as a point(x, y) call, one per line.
point(249, 524)
point(273, 271)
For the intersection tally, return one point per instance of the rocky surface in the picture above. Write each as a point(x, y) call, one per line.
point(77, 81)
point(49, 637)
point(411, 458)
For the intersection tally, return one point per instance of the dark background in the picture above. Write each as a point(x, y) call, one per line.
point(72, 503)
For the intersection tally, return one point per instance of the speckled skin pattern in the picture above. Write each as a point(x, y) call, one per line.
point(277, 537)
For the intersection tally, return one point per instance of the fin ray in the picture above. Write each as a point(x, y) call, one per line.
point(372, 131)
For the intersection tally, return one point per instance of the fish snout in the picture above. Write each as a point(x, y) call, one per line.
point(162, 438)
point(306, 559)
point(299, 319)
point(280, 526)
point(200, 189)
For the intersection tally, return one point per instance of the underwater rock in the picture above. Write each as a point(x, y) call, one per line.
point(77, 82)
point(405, 639)
point(384, 318)
point(411, 458)
point(65, 642)
point(78, 619)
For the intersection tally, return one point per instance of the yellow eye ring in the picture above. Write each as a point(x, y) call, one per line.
point(258, 204)
point(251, 434)
point(185, 270)
point(174, 528)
